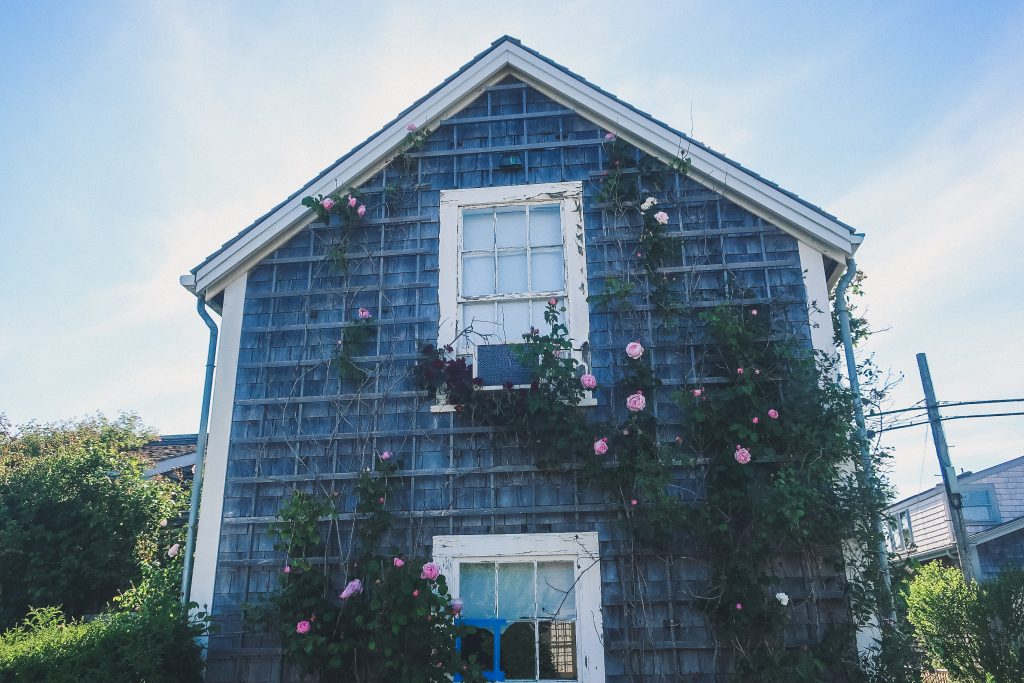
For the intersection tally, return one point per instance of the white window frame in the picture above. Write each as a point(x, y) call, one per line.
point(569, 196)
point(582, 549)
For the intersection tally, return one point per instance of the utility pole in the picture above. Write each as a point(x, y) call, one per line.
point(967, 555)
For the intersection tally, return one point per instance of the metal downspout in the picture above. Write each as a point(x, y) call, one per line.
point(862, 434)
point(197, 479)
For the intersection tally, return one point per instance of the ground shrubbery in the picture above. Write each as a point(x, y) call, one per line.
point(146, 638)
point(975, 630)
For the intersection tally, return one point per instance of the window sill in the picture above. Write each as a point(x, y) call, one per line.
point(447, 408)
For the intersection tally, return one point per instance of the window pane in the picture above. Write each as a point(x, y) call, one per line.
point(480, 644)
point(977, 514)
point(555, 593)
point(519, 651)
point(515, 315)
point(548, 271)
point(477, 275)
point(477, 230)
point(510, 230)
point(512, 273)
point(558, 650)
point(481, 318)
point(545, 226)
point(515, 591)
point(541, 305)
point(476, 585)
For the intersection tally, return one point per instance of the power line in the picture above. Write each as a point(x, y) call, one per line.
point(944, 419)
point(947, 404)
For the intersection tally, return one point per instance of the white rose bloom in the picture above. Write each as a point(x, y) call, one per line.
point(648, 203)
point(782, 598)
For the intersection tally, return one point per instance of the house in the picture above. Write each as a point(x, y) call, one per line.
point(511, 138)
point(919, 527)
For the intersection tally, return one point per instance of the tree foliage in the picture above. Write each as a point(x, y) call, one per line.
point(78, 522)
point(975, 630)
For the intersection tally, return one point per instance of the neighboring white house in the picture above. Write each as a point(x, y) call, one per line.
point(993, 502)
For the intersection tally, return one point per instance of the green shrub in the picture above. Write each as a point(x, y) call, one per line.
point(148, 638)
point(78, 522)
point(976, 631)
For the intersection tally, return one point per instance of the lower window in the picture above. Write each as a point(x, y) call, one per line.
point(535, 601)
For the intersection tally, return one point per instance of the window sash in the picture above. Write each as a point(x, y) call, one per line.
point(455, 204)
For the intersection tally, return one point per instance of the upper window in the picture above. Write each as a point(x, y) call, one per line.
point(535, 601)
point(505, 251)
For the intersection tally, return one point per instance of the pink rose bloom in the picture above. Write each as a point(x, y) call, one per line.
point(381, 500)
point(351, 201)
point(739, 371)
point(609, 136)
point(588, 381)
point(636, 402)
point(739, 605)
point(399, 562)
point(456, 606)
point(661, 217)
point(354, 587)
point(386, 455)
point(173, 550)
point(287, 569)
point(753, 311)
point(601, 446)
point(327, 203)
point(411, 127)
point(302, 627)
point(697, 393)
point(361, 210)
point(742, 455)
point(634, 350)
point(552, 301)
point(430, 571)
point(416, 593)
point(773, 414)
point(755, 419)
point(634, 502)
point(364, 314)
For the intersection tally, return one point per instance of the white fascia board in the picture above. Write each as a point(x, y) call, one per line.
point(286, 221)
point(825, 235)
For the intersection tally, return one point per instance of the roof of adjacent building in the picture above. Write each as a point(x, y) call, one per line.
point(508, 55)
point(170, 452)
point(963, 479)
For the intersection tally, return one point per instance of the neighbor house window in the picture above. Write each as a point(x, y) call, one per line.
point(906, 531)
point(535, 600)
point(979, 505)
point(504, 253)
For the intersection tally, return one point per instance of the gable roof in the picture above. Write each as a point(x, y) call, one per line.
point(508, 56)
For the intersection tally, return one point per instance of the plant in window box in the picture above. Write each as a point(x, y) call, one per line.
point(545, 415)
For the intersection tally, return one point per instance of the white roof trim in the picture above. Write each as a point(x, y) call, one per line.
point(810, 226)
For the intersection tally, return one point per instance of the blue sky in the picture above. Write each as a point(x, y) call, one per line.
point(136, 137)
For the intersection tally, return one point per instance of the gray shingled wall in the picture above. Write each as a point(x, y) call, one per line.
point(296, 424)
